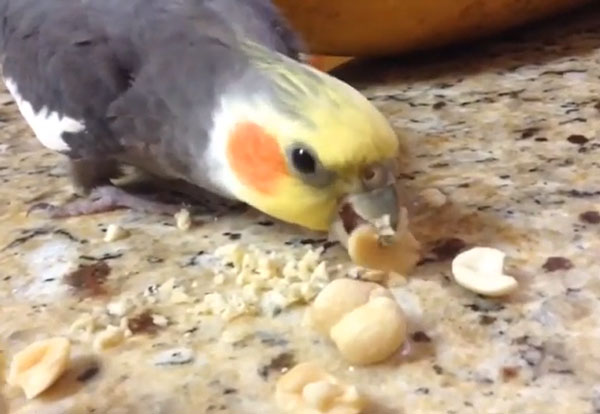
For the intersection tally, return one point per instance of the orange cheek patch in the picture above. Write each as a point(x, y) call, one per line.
point(255, 157)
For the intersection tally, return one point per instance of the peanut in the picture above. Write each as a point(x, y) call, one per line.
point(38, 366)
point(370, 333)
point(338, 298)
point(361, 318)
point(183, 220)
point(115, 232)
point(480, 270)
point(110, 337)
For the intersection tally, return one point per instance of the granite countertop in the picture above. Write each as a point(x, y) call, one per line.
point(508, 130)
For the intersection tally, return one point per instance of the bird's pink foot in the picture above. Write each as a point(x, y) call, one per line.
point(104, 199)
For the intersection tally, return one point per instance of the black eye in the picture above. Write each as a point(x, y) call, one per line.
point(303, 161)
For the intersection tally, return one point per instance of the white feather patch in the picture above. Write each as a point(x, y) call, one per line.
point(220, 173)
point(47, 126)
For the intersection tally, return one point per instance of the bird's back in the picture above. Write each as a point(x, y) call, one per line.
point(90, 74)
point(258, 20)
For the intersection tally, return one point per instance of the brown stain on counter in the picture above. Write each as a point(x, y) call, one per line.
point(89, 279)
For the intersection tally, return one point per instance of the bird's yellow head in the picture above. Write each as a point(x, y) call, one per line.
point(311, 142)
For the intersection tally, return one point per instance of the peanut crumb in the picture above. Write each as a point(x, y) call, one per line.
point(109, 338)
point(269, 283)
point(115, 232)
point(159, 320)
point(120, 308)
point(183, 220)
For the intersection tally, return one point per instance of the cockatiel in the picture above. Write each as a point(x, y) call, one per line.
point(209, 92)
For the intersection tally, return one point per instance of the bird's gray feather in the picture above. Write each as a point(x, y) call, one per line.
point(143, 74)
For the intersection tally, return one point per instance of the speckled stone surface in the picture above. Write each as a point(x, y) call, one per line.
point(509, 131)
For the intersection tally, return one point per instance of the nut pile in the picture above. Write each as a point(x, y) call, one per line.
point(266, 283)
point(361, 318)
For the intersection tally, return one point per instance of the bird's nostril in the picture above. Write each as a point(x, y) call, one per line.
point(373, 176)
point(369, 174)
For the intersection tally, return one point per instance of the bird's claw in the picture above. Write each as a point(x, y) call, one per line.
point(47, 207)
point(105, 199)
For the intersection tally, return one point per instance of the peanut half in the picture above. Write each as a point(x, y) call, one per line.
point(41, 364)
point(480, 270)
point(365, 249)
point(308, 389)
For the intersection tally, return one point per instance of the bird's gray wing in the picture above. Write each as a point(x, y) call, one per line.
point(65, 62)
point(188, 58)
point(131, 70)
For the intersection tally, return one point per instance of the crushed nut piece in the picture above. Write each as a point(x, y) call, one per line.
point(383, 226)
point(309, 262)
point(110, 337)
point(179, 296)
point(269, 282)
point(165, 290)
point(115, 232)
point(308, 388)
point(120, 308)
point(231, 253)
point(183, 220)
point(124, 325)
point(160, 320)
point(40, 365)
point(274, 302)
point(219, 279)
point(86, 323)
point(480, 269)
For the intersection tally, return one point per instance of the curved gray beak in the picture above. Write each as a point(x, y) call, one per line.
point(377, 207)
